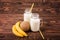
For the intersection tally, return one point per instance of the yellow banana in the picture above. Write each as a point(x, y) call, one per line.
point(15, 31)
point(19, 29)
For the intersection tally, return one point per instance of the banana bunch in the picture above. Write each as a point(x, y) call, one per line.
point(18, 31)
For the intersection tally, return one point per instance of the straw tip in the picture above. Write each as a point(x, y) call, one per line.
point(33, 3)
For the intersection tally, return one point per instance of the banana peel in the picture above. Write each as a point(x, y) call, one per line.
point(15, 32)
point(19, 29)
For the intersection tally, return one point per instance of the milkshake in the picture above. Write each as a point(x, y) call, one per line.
point(35, 22)
point(27, 15)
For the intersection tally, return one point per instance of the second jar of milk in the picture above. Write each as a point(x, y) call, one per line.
point(27, 15)
point(35, 22)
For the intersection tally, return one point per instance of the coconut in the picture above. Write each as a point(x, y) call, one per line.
point(25, 26)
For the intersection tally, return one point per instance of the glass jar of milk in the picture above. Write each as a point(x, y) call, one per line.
point(27, 15)
point(35, 22)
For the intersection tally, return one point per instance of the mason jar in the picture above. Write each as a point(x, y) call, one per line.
point(35, 22)
point(27, 15)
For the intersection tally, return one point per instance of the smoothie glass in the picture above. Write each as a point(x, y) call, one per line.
point(35, 22)
point(27, 15)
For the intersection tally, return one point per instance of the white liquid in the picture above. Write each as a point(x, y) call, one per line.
point(35, 24)
point(27, 17)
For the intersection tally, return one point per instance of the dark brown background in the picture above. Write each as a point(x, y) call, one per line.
point(12, 11)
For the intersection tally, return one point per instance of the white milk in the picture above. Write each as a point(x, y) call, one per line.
point(35, 24)
point(27, 15)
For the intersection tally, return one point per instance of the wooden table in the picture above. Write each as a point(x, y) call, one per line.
point(7, 20)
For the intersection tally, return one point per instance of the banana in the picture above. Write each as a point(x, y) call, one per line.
point(15, 31)
point(19, 29)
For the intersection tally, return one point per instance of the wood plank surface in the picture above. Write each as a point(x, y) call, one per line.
point(12, 11)
point(7, 20)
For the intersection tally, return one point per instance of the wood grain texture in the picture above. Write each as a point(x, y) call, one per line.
point(7, 20)
point(12, 11)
